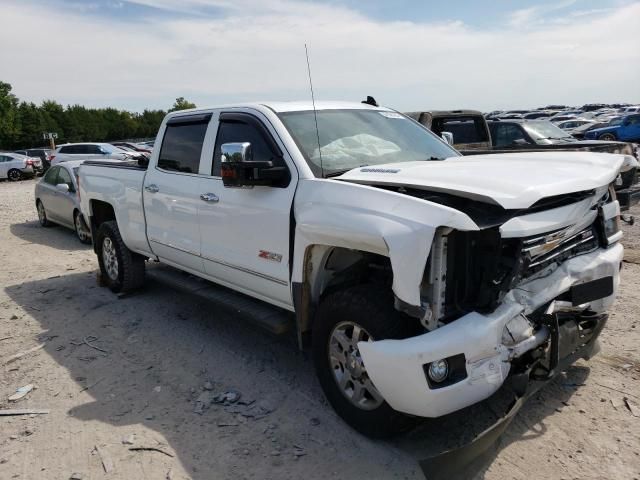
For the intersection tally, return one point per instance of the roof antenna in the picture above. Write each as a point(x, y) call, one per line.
point(315, 115)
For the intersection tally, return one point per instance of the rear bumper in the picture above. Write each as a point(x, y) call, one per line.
point(28, 172)
point(397, 367)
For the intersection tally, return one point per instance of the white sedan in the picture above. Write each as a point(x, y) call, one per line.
point(16, 167)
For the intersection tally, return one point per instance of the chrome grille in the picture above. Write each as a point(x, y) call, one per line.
point(556, 247)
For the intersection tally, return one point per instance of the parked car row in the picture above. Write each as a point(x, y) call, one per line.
point(581, 120)
point(27, 163)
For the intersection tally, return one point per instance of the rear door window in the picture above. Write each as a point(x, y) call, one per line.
point(182, 144)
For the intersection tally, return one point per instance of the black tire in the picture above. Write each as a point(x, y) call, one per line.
point(129, 273)
point(372, 309)
point(14, 175)
point(42, 215)
point(610, 137)
point(82, 231)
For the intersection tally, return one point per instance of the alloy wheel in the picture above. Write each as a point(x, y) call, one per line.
point(348, 368)
point(110, 259)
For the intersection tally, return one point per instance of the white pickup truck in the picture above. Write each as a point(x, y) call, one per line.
point(421, 279)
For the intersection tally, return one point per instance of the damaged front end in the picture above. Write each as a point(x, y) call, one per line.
point(497, 304)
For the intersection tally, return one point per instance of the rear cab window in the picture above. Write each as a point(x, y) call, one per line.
point(464, 129)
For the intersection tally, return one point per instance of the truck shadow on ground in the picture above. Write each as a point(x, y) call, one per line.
point(56, 236)
point(157, 349)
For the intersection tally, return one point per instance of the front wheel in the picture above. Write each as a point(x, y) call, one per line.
point(363, 313)
point(122, 270)
point(609, 137)
point(14, 175)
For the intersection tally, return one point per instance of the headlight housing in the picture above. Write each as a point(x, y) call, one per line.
point(609, 213)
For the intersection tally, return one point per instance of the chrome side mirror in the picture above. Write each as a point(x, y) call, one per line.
point(238, 169)
point(236, 153)
point(62, 187)
point(447, 137)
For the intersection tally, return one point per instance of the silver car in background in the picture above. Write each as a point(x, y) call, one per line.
point(57, 199)
point(14, 166)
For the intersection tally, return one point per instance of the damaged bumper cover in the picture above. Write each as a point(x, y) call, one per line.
point(397, 367)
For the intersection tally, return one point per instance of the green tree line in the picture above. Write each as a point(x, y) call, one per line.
point(22, 123)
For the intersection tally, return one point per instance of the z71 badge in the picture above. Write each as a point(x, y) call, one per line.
point(275, 257)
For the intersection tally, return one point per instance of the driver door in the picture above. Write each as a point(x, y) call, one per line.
point(245, 232)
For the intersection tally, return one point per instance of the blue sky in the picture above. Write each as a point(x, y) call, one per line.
point(408, 54)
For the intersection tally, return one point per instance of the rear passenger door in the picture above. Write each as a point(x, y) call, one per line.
point(171, 192)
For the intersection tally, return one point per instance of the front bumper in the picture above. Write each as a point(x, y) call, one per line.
point(396, 367)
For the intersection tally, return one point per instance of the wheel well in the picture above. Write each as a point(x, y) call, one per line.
point(101, 212)
point(329, 269)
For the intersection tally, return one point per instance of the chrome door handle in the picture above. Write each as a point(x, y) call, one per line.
point(152, 188)
point(209, 197)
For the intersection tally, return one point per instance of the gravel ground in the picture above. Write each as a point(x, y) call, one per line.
point(121, 378)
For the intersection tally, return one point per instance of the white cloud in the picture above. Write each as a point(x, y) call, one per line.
point(256, 52)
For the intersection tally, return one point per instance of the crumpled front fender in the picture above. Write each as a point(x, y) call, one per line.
point(375, 220)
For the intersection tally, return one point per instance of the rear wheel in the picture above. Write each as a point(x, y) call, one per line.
point(363, 313)
point(610, 137)
point(122, 270)
point(82, 231)
point(14, 175)
point(42, 215)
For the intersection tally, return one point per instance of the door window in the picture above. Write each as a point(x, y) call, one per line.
point(507, 134)
point(92, 149)
point(65, 177)
point(182, 144)
point(239, 131)
point(52, 176)
point(634, 120)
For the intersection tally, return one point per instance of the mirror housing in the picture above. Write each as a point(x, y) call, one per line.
point(62, 187)
point(238, 169)
point(447, 137)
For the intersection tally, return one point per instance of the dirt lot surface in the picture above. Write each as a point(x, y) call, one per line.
point(121, 378)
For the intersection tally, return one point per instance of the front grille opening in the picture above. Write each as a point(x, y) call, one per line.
point(541, 251)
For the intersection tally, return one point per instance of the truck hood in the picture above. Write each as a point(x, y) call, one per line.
point(513, 181)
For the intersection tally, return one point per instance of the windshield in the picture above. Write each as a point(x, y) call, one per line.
point(356, 138)
point(541, 131)
point(615, 121)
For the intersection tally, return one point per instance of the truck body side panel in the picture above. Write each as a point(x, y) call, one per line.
point(121, 188)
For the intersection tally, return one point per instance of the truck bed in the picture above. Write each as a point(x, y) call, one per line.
point(107, 186)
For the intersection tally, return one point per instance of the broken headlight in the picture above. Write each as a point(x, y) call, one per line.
point(610, 218)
